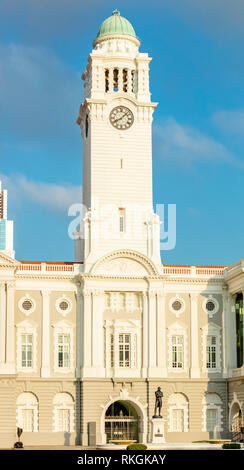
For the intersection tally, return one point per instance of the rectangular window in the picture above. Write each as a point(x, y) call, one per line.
point(26, 350)
point(121, 220)
point(63, 420)
point(211, 419)
point(178, 420)
point(124, 350)
point(178, 352)
point(27, 420)
point(64, 350)
point(211, 352)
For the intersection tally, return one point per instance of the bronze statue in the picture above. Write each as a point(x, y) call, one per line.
point(158, 403)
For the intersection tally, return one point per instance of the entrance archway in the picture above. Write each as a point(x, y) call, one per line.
point(236, 422)
point(122, 422)
point(235, 418)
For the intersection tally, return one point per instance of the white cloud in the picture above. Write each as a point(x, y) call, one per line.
point(187, 145)
point(231, 121)
point(53, 197)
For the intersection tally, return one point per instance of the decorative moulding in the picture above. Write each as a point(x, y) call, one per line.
point(28, 299)
point(177, 299)
point(66, 300)
point(210, 298)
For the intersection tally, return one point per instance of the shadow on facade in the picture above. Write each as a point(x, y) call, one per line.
point(212, 349)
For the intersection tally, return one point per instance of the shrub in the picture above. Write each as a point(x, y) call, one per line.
point(232, 445)
point(137, 447)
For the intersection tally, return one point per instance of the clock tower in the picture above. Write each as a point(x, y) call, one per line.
point(116, 125)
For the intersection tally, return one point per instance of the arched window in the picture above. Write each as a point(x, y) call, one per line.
point(106, 80)
point(178, 412)
point(115, 80)
point(27, 412)
point(63, 410)
point(125, 73)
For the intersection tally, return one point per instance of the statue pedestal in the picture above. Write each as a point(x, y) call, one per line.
point(157, 430)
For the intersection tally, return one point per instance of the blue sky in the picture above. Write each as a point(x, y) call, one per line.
point(196, 75)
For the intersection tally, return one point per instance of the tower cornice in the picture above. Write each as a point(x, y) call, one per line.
point(110, 37)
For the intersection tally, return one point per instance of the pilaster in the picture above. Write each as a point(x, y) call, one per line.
point(194, 364)
point(243, 326)
point(10, 336)
point(152, 335)
point(86, 332)
point(45, 366)
point(225, 320)
point(161, 334)
point(231, 327)
point(97, 346)
point(144, 333)
point(79, 332)
point(2, 322)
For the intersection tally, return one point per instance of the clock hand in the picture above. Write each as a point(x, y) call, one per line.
point(121, 117)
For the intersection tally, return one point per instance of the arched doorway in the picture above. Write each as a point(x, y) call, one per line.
point(236, 421)
point(121, 422)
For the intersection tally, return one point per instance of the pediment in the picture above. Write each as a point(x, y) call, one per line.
point(211, 327)
point(177, 326)
point(63, 324)
point(27, 324)
point(7, 261)
point(125, 263)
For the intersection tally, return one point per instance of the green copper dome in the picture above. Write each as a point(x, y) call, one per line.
point(116, 24)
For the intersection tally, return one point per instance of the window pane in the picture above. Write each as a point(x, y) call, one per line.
point(26, 350)
point(211, 352)
point(63, 350)
point(177, 351)
point(124, 350)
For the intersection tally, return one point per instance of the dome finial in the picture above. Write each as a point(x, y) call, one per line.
point(116, 12)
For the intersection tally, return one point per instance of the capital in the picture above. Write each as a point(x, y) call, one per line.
point(45, 293)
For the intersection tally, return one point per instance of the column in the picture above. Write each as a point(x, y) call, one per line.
point(194, 367)
point(97, 333)
point(79, 332)
point(161, 334)
point(2, 322)
point(231, 329)
point(86, 332)
point(152, 336)
point(129, 81)
point(10, 339)
point(243, 325)
point(225, 337)
point(111, 80)
point(45, 367)
point(120, 79)
point(144, 333)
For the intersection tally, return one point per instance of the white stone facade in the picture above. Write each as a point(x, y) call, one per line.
point(78, 338)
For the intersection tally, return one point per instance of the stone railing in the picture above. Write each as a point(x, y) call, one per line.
point(48, 268)
point(74, 268)
point(203, 271)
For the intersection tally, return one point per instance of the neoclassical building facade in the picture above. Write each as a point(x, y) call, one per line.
point(85, 344)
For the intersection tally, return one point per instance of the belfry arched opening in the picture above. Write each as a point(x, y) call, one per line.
point(121, 422)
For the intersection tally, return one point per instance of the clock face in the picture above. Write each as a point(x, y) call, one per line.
point(121, 118)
